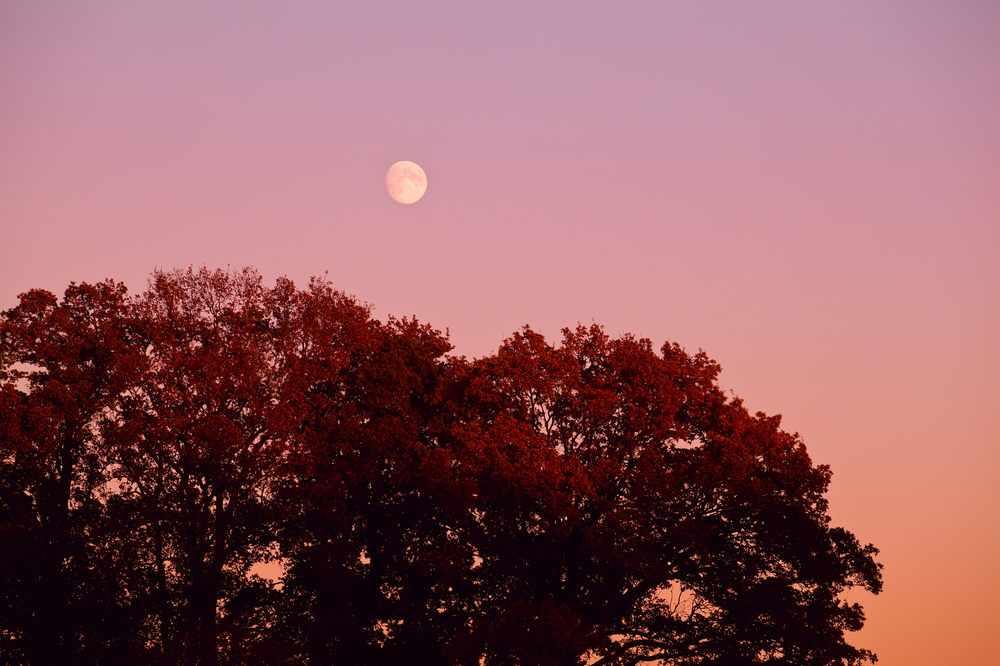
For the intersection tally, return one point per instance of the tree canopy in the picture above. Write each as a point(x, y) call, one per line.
point(596, 501)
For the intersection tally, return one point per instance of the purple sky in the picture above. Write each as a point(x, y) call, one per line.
point(808, 191)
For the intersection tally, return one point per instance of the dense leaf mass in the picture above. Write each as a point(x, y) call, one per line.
point(592, 502)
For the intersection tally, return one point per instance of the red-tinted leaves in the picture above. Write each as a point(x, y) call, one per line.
point(549, 504)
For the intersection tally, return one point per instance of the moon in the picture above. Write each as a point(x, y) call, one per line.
point(406, 182)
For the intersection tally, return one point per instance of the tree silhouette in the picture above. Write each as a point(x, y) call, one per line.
point(594, 501)
point(203, 436)
point(61, 582)
point(629, 510)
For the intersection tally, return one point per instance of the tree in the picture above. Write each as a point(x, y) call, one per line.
point(594, 501)
point(199, 441)
point(628, 511)
point(370, 509)
point(62, 364)
point(140, 447)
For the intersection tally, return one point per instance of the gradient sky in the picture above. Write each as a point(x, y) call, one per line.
point(808, 191)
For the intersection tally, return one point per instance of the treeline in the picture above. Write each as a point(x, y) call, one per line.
point(594, 501)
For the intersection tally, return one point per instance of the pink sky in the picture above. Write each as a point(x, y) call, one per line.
point(808, 191)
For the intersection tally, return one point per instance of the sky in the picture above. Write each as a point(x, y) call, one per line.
point(810, 192)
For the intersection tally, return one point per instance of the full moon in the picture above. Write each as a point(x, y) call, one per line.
point(406, 182)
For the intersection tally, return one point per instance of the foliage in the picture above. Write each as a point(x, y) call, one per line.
point(594, 501)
